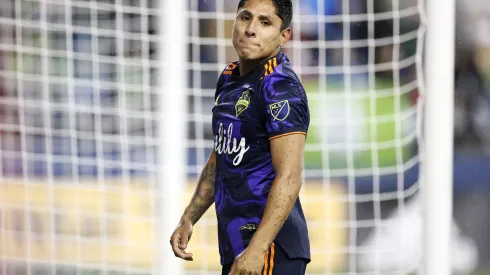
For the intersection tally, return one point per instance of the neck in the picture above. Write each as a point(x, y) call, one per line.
point(248, 65)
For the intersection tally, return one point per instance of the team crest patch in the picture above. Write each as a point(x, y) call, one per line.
point(280, 110)
point(242, 103)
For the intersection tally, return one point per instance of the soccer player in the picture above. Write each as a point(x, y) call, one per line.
point(260, 121)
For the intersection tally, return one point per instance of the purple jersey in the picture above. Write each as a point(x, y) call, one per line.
point(249, 111)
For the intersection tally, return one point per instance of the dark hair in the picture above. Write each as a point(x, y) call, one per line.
point(284, 9)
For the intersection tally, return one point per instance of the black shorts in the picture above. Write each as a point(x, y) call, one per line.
point(277, 262)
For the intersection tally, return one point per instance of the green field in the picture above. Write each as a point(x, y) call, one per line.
point(373, 122)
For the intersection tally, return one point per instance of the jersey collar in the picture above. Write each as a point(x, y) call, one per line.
point(265, 67)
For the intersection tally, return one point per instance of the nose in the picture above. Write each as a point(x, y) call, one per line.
point(250, 30)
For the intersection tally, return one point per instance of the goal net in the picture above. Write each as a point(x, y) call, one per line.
point(360, 64)
point(77, 134)
point(78, 140)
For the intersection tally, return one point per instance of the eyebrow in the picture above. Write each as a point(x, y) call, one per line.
point(261, 17)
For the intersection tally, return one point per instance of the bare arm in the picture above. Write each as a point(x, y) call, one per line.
point(203, 196)
point(287, 158)
point(202, 199)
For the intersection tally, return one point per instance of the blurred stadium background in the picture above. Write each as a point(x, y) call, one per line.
point(78, 144)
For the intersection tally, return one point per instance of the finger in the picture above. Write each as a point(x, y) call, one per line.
point(184, 240)
point(183, 254)
point(175, 247)
point(174, 242)
point(187, 256)
point(232, 270)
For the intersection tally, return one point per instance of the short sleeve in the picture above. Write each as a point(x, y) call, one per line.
point(285, 106)
point(223, 78)
point(217, 91)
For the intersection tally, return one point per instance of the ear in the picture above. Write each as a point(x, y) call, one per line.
point(285, 36)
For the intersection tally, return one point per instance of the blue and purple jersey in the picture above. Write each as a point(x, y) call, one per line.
point(249, 111)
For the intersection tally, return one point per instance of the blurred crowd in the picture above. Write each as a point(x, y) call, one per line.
point(472, 70)
point(472, 73)
point(472, 77)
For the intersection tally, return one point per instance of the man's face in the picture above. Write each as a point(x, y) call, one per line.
point(257, 30)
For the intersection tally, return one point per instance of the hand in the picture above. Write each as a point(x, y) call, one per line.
point(249, 262)
point(180, 238)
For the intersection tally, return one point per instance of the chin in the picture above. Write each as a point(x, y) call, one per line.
point(248, 55)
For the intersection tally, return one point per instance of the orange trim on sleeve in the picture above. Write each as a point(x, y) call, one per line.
point(287, 134)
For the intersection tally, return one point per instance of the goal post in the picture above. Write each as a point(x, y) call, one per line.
point(437, 163)
point(173, 127)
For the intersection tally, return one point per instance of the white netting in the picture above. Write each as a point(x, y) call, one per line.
point(78, 94)
point(358, 63)
point(77, 124)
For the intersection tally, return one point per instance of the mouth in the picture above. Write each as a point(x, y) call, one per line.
point(246, 44)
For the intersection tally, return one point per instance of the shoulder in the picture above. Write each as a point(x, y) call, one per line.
point(227, 72)
point(279, 77)
point(225, 75)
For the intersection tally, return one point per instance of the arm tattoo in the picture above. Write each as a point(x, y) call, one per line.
point(203, 197)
